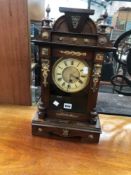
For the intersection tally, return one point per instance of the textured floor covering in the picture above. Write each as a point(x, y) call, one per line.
point(116, 104)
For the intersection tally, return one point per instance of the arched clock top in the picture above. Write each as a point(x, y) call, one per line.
point(77, 21)
point(61, 25)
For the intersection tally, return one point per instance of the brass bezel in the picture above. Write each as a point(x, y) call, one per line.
point(53, 75)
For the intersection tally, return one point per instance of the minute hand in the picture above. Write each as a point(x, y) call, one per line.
point(77, 78)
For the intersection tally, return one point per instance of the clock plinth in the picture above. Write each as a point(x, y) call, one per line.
point(71, 55)
point(58, 128)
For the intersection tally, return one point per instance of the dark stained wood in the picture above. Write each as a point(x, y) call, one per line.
point(74, 35)
point(24, 154)
point(74, 47)
point(76, 11)
point(57, 128)
point(14, 53)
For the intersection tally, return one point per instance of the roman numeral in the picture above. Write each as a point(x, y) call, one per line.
point(72, 62)
point(58, 73)
point(63, 84)
point(60, 67)
point(68, 87)
point(80, 81)
point(65, 63)
point(83, 76)
point(59, 79)
point(78, 64)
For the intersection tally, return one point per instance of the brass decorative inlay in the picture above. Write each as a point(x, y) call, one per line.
point(74, 39)
point(44, 51)
point(66, 115)
point(45, 70)
point(40, 129)
point(60, 38)
point(65, 132)
point(73, 53)
point(90, 136)
point(96, 76)
point(45, 35)
point(86, 40)
point(99, 57)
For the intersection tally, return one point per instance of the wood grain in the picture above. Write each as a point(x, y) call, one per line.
point(24, 154)
point(14, 53)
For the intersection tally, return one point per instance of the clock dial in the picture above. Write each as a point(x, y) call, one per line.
point(71, 75)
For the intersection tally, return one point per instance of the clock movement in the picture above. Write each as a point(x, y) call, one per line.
point(71, 55)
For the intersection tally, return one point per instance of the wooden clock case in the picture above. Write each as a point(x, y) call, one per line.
point(73, 35)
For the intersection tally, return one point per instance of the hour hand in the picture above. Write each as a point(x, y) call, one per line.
point(77, 78)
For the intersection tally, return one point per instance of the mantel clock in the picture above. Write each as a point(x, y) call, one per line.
point(71, 55)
